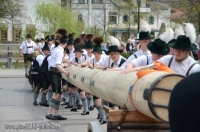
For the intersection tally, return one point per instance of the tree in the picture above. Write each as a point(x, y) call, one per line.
point(11, 10)
point(186, 11)
point(50, 16)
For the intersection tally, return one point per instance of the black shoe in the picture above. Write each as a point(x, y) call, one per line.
point(58, 117)
point(74, 109)
point(85, 113)
point(69, 106)
point(63, 99)
point(100, 120)
point(35, 103)
point(45, 104)
point(51, 117)
point(79, 107)
point(99, 116)
point(65, 103)
point(103, 122)
point(91, 108)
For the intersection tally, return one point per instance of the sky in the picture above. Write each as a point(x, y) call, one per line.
point(30, 4)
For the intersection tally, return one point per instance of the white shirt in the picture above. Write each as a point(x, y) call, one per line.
point(84, 51)
point(92, 60)
point(40, 59)
point(71, 54)
point(51, 47)
point(24, 46)
point(56, 57)
point(142, 60)
point(87, 56)
point(80, 60)
point(41, 45)
point(132, 57)
point(180, 68)
point(105, 61)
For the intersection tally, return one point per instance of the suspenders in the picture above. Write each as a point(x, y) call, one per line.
point(28, 47)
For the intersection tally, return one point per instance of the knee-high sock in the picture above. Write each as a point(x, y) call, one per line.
point(35, 96)
point(74, 97)
point(89, 101)
point(43, 97)
point(70, 99)
point(26, 69)
point(54, 103)
point(79, 98)
point(64, 91)
point(66, 96)
point(102, 112)
point(92, 102)
point(50, 94)
point(85, 104)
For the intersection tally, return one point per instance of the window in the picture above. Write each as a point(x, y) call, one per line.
point(125, 18)
point(97, 1)
point(80, 17)
point(82, 1)
point(113, 19)
point(151, 20)
point(17, 34)
point(4, 34)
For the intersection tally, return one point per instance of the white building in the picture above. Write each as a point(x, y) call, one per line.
point(116, 17)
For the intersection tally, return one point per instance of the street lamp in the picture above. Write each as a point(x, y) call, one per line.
point(139, 3)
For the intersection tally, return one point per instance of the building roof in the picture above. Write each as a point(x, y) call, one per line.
point(157, 5)
point(120, 2)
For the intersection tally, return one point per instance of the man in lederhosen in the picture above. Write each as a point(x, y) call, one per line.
point(37, 76)
point(27, 48)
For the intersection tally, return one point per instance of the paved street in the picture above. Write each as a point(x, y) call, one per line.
point(16, 107)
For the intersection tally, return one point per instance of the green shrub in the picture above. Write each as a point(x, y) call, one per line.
point(125, 55)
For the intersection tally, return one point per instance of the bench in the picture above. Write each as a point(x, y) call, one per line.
point(17, 60)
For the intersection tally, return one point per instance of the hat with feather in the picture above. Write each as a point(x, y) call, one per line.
point(78, 41)
point(89, 44)
point(71, 39)
point(97, 47)
point(185, 42)
point(114, 45)
point(61, 35)
point(145, 31)
point(46, 47)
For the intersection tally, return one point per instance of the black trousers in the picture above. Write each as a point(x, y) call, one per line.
point(55, 81)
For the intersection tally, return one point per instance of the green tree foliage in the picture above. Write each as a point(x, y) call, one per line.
point(11, 10)
point(52, 16)
point(186, 11)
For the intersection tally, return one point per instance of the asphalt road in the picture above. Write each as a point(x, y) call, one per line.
point(17, 111)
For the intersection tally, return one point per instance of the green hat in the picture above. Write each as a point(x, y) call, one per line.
point(144, 36)
point(158, 47)
point(89, 44)
point(46, 47)
point(63, 39)
point(42, 39)
point(97, 48)
point(171, 42)
point(78, 48)
point(182, 43)
point(70, 42)
point(113, 48)
point(97, 41)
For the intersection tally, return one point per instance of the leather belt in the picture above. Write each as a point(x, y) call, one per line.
point(54, 69)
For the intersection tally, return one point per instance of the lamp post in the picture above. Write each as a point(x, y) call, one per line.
point(139, 3)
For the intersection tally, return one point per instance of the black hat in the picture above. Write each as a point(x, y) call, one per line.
point(66, 50)
point(78, 48)
point(61, 35)
point(144, 36)
point(171, 42)
point(97, 47)
point(28, 36)
point(158, 47)
point(46, 47)
point(37, 40)
point(113, 48)
point(71, 39)
point(42, 39)
point(184, 105)
point(89, 44)
point(182, 43)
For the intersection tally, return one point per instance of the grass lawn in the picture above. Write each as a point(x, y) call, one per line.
point(20, 65)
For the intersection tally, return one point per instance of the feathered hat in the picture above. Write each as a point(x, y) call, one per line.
point(178, 31)
point(114, 45)
point(185, 42)
point(78, 41)
point(145, 31)
point(97, 47)
point(89, 44)
point(71, 39)
point(46, 47)
point(61, 35)
point(167, 35)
